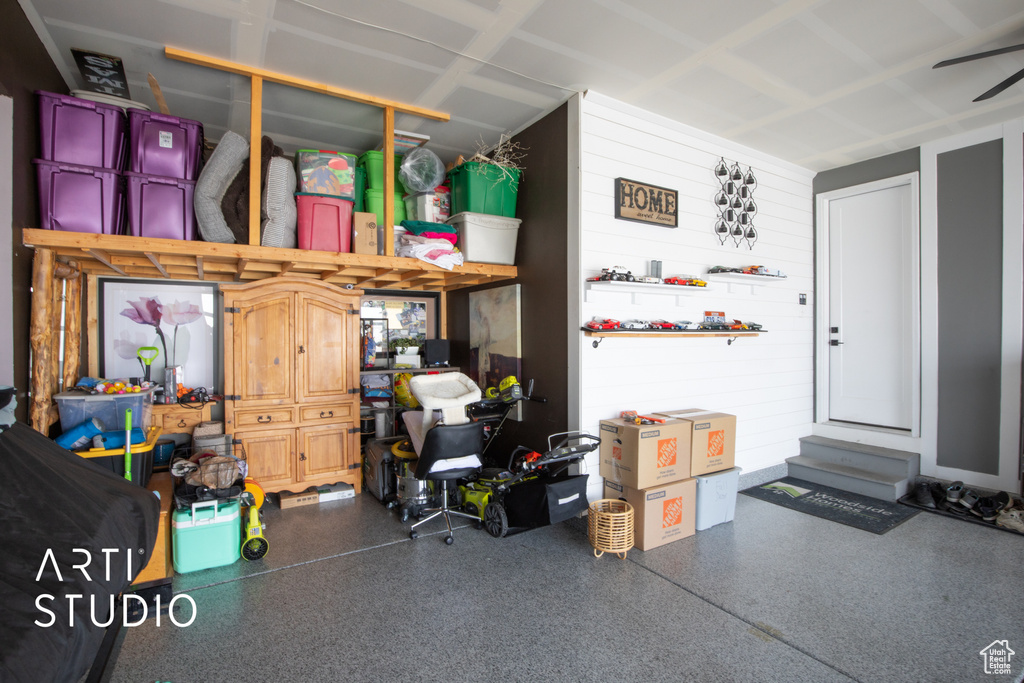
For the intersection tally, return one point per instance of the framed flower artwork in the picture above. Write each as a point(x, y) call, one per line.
point(172, 324)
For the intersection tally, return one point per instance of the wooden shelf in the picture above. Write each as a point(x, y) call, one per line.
point(138, 257)
point(743, 278)
point(731, 334)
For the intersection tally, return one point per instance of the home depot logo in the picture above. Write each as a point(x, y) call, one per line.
point(672, 512)
point(666, 452)
point(617, 452)
point(716, 443)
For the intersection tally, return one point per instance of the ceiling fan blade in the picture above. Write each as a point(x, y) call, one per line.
point(980, 55)
point(1001, 87)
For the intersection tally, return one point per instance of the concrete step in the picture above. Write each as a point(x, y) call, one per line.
point(862, 456)
point(854, 479)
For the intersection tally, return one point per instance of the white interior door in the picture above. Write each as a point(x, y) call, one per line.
point(872, 304)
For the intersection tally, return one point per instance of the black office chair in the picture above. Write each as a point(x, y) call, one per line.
point(449, 452)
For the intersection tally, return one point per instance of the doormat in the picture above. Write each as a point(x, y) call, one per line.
point(835, 505)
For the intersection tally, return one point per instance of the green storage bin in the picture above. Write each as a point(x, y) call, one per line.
point(373, 162)
point(206, 535)
point(375, 204)
point(484, 188)
point(360, 189)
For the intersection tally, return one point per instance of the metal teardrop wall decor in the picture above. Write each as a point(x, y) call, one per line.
point(735, 203)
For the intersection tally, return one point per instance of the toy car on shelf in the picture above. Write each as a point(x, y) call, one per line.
point(613, 274)
point(635, 325)
point(724, 269)
point(682, 325)
point(754, 326)
point(737, 325)
point(660, 325)
point(686, 281)
point(602, 324)
point(650, 280)
point(713, 326)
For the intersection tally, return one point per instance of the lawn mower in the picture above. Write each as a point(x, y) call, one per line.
point(534, 489)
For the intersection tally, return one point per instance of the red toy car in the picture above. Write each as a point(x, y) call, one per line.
point(602, 324)
point(660, 325)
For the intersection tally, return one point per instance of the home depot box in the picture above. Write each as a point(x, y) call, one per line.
point(661, 514)
point(712, 439)
point(364, 233)
point(642, 456)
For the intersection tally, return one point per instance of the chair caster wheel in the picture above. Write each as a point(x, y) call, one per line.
point(448, 540)
point(478, 525)
point(414, 535)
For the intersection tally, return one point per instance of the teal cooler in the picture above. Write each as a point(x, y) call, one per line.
point(207, 535)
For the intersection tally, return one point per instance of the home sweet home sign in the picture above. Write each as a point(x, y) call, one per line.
point(643, 203)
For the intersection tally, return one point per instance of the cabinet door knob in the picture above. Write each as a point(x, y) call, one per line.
point(181, 422)
point(302, 456)
point(262, 421)
point(302, 349)
point(330, 413)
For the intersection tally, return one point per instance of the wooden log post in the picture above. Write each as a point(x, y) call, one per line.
point(40, 339)
point(72, 330)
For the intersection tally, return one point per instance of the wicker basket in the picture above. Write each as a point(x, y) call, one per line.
point(610, 527)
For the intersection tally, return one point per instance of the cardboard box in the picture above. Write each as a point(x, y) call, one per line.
point(364, 233)
point(661, 514)
point(294, 500)
point(329, 492)
point(712, 439)
point(642, 456)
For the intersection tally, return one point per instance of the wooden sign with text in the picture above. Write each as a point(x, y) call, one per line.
point(645, 203)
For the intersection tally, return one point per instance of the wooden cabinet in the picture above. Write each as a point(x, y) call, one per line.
point(159, 568)
point(291, 376)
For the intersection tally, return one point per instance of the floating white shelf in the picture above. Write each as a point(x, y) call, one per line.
point(642, 288)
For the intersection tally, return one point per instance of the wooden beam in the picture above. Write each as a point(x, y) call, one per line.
point(240, 268)
point(40, 334)
point(286, 267)
point(255, 144)
point(92, 324)
point(57, 316)
point(156, 263)
point(72, 331)
point(105, 260)
point(199, 268)
point(305, 84)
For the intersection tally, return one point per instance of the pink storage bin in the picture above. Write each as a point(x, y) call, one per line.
point(159, 206)
point(324, 222)
point(164, 145)
point(80, 132)
point(79, 198)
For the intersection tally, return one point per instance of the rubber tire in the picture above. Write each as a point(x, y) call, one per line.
point(448, 540)
point(495, 520)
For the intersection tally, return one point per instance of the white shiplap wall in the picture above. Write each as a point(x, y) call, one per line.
point(767, 381)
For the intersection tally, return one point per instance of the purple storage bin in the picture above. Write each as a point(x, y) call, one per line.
point(159, 206)
point(80, 198)
point(81, 132)
point(165, 145)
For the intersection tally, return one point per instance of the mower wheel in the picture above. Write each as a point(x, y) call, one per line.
point(495, 520)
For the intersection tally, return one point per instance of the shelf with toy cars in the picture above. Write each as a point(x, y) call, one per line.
point(752, 276)
point(637, 288)
point(713, 326)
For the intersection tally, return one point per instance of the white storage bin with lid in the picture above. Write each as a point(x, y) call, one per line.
point(716, 497)
point(484, 238)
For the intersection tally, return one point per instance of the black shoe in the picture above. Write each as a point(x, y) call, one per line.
point(1002, 500)
point(938, 492)
point(987, 508)
point(969, 499)
point(923, 495)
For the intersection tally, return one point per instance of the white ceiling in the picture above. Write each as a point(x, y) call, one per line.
point(819, 83)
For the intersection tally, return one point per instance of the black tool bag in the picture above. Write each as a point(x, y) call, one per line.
point(546, 501)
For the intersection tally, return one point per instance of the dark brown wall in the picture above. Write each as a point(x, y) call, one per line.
point(25, 67)
point(541, 256)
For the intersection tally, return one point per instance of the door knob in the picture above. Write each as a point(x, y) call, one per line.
point(834, 342)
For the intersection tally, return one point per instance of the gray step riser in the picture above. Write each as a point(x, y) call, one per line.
point(848, 483)
point(910, 467)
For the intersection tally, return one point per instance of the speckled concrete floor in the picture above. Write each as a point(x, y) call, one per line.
point(776, 595)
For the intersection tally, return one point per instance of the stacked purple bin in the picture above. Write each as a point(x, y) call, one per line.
point(84, 150)
point(165, 158)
